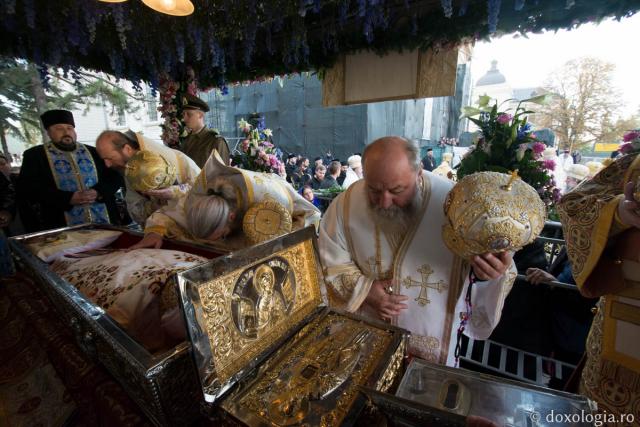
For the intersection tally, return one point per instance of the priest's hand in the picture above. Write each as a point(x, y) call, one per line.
point(629, 208)
point(150, 240)
point(491, 266)
point(535, 276)
point(83, 197)
point(162, 194)
point(386, 304)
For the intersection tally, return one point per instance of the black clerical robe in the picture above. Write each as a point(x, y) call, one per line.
point(428, 163)
point(42, 205)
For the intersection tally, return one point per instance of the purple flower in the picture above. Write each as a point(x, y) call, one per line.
point(626, 148)
point(538, 147)
point(631, 135)
point(504, 118)
point(549, 164)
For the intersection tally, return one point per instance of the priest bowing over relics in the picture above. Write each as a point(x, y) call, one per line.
point(63, 182)
point(237, 206)
point(381, 247)
point(117, 148)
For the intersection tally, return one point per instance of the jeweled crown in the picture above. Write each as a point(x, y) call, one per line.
point(491, 212)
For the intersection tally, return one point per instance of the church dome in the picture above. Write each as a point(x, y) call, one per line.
point(492, 77)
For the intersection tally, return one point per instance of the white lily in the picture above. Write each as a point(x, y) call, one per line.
point(243, 124)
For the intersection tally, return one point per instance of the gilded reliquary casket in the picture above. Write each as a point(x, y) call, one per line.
point(268, 352)
point(437, 395)
point(159, 375)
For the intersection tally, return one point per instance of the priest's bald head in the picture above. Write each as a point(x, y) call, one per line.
point(392, 173)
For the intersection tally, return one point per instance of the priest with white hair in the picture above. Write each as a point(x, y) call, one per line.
point(216, 205)
point(384, 256)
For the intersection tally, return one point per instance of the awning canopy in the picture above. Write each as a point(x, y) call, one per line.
point(231, 40)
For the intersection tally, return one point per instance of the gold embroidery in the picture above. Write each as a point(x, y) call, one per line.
point(425, 347)
point(266, 220)
point(588, 211)
point(425, 270)
point(349, 281)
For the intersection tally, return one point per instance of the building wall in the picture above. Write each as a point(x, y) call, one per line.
point(292, 108)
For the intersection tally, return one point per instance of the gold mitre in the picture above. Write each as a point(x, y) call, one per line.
point(147, 170)
point(266, 220)
point(491, 212)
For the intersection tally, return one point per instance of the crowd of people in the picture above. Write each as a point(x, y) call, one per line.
point(373, 264)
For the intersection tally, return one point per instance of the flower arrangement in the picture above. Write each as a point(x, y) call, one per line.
point(171, 94)
point(256, 152)
point(507, 143)
point(447, 141)
point(631, 142)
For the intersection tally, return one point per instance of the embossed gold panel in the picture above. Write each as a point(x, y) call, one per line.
point(314, 379)
point(247, 309)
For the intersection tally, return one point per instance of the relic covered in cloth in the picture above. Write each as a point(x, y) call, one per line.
point(431, 394)
point(268, 352)
point(113, 301)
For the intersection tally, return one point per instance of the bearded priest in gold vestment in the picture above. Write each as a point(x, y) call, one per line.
point(601, 222)
point(384, 257)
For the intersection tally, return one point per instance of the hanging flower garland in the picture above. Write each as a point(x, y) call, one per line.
point(128, 40)
point(171, 102)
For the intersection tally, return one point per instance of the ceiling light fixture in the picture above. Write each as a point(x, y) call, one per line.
point(171, 7)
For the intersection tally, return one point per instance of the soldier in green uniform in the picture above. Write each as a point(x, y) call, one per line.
point(202, 140)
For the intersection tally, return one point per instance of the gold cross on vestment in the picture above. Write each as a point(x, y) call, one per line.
point(425, 271)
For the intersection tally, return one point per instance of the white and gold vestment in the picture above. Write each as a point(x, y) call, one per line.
point(251, 188)
point(355, 252)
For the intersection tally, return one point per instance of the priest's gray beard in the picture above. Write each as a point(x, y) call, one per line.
point(395, 220)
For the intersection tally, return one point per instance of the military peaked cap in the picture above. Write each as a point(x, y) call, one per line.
point(190, 102)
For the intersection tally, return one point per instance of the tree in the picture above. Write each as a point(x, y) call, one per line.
point(586, 106)
point(23, 97)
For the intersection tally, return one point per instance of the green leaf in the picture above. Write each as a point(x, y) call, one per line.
point(483, 101)
point(540, 99)
point(469, 112)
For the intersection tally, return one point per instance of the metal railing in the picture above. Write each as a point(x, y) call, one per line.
point(512, 362)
